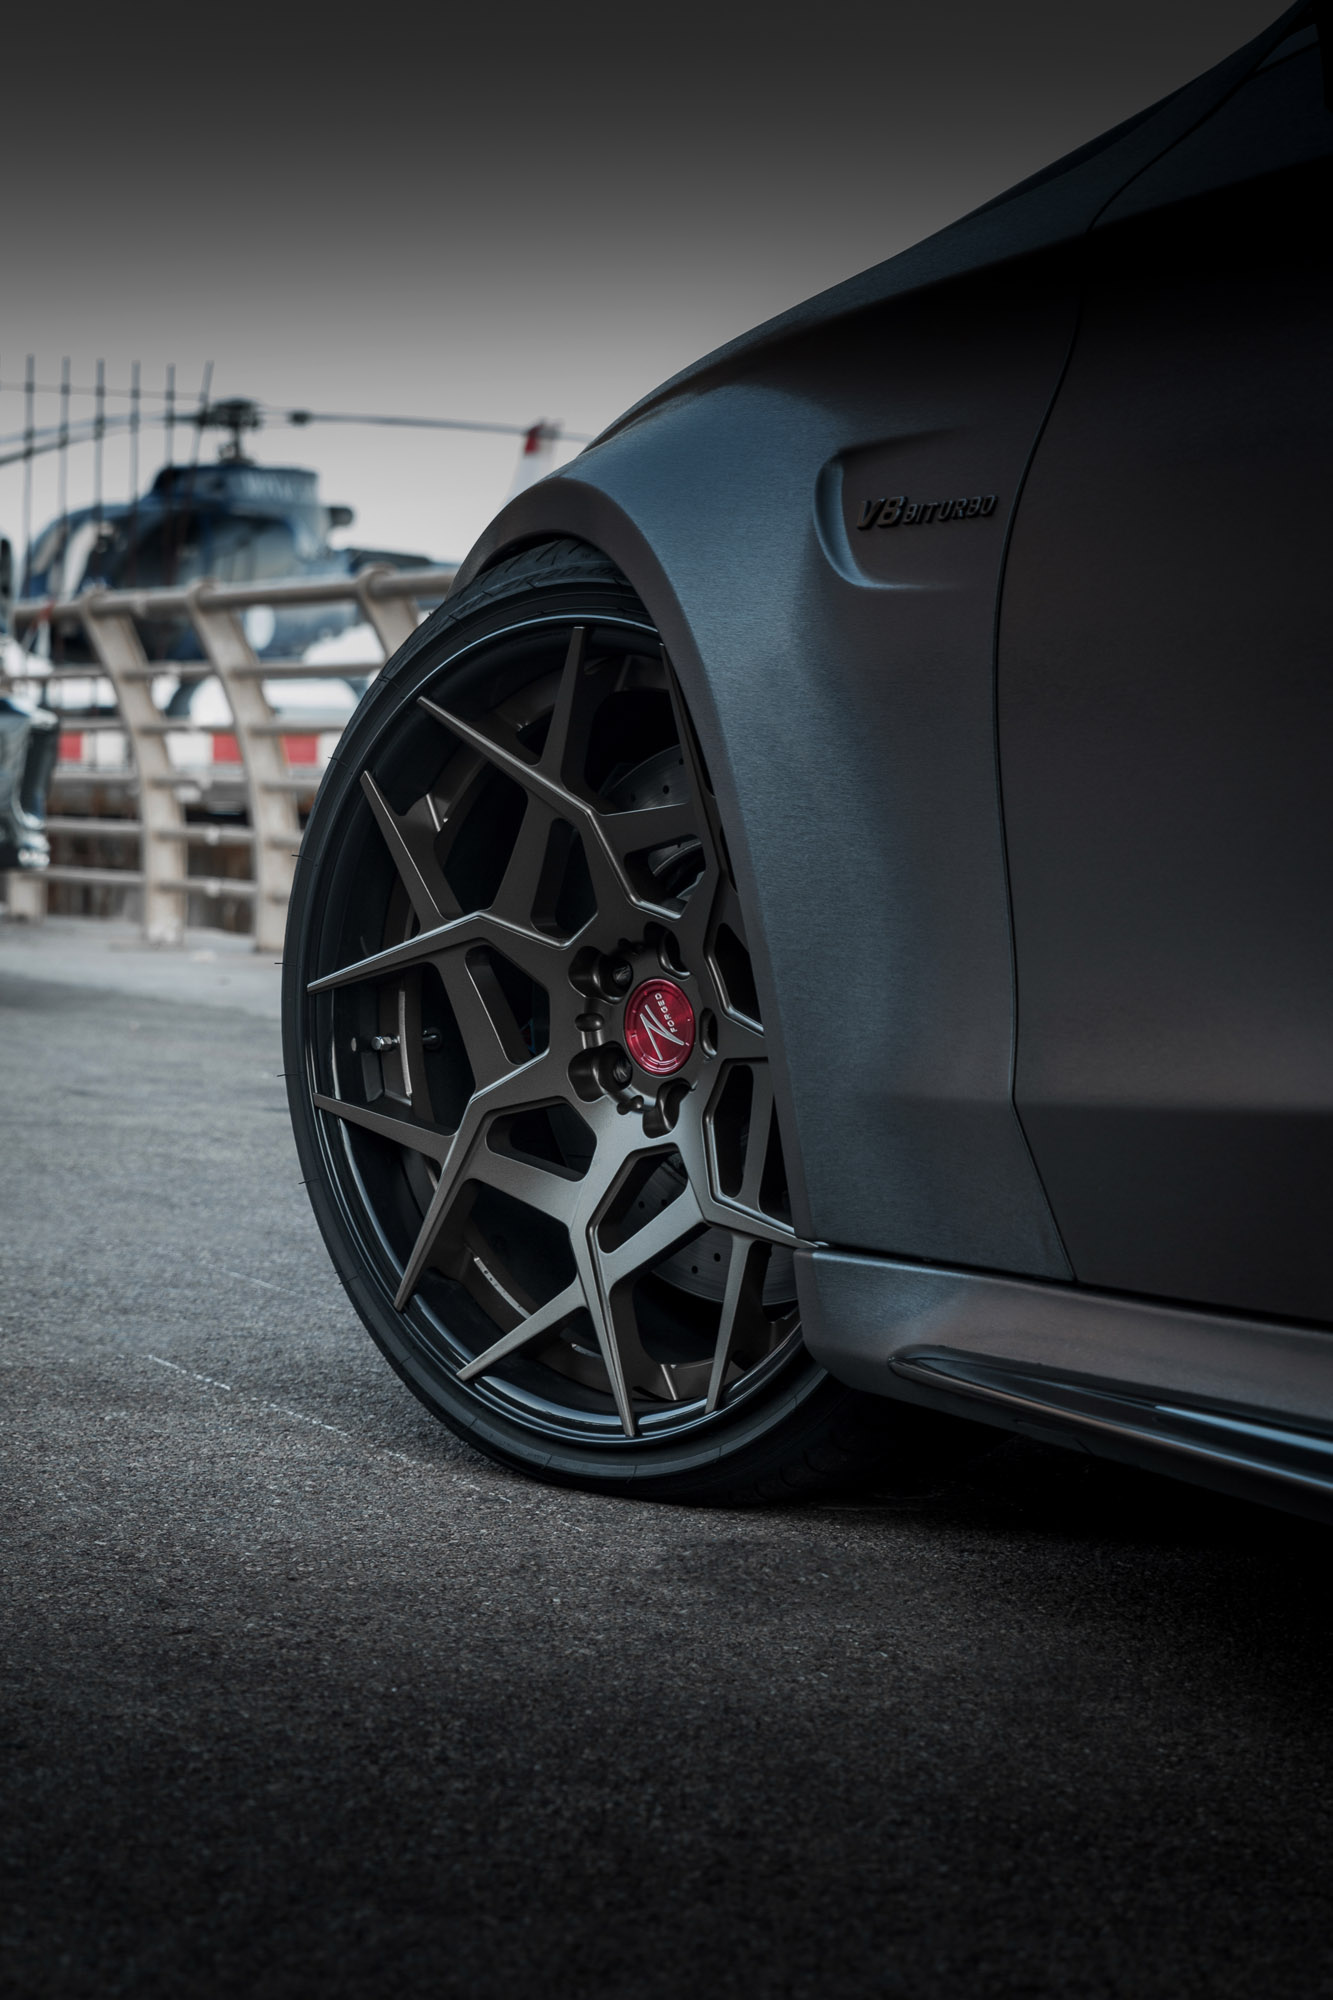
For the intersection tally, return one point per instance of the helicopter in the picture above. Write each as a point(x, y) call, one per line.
point(233, 521)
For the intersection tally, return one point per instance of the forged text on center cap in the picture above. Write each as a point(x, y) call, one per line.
point(659, 1026)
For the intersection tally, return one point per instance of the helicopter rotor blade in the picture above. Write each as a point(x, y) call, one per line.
point(302, 417)
point(85, 430)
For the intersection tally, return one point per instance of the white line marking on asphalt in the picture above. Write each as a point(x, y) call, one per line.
point(211, 1380)
point(281, 1410)
point(247, 1279)
point(299, 1417)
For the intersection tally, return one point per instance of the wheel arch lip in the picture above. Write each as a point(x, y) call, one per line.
point(573, 504)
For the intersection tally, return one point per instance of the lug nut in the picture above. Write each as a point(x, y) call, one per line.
point(618, 974)
point(619, 1071)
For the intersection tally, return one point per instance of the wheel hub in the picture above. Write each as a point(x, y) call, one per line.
point(659, 1027)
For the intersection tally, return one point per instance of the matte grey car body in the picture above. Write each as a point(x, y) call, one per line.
point(996, 581)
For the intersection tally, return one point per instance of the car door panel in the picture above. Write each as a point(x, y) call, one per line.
point(1166, 730)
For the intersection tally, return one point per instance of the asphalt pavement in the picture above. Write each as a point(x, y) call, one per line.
point(302, 1697)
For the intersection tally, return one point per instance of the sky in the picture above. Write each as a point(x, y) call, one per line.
point(520, 213)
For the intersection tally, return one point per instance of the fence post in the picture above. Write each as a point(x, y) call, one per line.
point(273, 815)
point(25, 894)
point(115, 642)
point(394, 619)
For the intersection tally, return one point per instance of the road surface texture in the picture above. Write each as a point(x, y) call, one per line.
point(304, 1698)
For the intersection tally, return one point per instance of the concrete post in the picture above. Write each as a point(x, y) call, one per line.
point(273, 815)
point(115, 642)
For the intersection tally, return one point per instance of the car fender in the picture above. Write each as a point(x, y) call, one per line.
point(848, 722)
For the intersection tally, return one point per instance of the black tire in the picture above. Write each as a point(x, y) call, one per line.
point(476, 1137)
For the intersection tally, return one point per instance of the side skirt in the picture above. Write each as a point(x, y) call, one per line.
point(1242, 1405)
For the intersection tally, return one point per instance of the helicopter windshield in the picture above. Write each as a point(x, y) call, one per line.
point(230, 548)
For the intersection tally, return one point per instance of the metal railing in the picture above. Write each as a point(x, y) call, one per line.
point(262, 788)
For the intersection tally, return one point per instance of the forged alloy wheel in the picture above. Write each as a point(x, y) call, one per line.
point(529, 1071)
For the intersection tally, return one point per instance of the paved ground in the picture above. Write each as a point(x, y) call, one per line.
point(301, 1697)
point(212, 968)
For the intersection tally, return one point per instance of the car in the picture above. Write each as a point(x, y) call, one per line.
point(28, 743)
point(822, 941)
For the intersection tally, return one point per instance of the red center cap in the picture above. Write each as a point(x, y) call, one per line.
point(659, 1026)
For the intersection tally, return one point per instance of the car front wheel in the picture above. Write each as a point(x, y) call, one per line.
point(530, 1080)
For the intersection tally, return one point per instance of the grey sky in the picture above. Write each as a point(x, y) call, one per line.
point(538, 212)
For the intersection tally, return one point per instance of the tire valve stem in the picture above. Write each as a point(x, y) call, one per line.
point(379, 1043)
point(431, 1038)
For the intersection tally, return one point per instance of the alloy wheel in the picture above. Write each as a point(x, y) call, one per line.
point(536, 1045)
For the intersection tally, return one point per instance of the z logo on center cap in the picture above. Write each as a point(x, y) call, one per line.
point(659, 1026)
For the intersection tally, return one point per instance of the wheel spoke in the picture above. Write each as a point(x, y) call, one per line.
point(742, 1307)
point(541, 1321)
point(700, 789)
point(411, 846)
point(520, 887)
point(642, 827)
point(485, 1023)
point(509, 759)
point(577, 697)
point(652, 1242)
point(721, 1210)
point(421, 1138)
point(521, 1087)
point(725, 908)
point(724, 1214)
point(740, 1040)
point(757, 1142)
point(602, 854)
point(600, 1309)
point(547, 1188)
point(449, 804)
point(446, 1193)
point(525, 947)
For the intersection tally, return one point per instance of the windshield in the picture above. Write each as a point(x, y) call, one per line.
point(183, 547)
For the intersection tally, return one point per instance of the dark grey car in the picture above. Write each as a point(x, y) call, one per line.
point(28, 742)
point(827, 931)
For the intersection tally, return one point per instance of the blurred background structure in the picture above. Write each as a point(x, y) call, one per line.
point(503, 214)
point(393, 276)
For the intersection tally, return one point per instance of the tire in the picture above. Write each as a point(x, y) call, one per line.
point(527, 1069)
